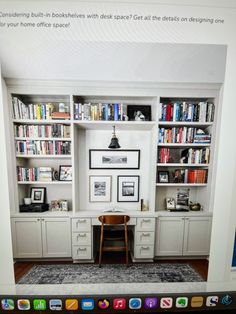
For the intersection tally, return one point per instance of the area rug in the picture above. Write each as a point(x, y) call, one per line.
point(89, 274)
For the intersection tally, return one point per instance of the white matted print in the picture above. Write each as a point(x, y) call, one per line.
point(100, 188)
point(114, 159)
point(128, 189)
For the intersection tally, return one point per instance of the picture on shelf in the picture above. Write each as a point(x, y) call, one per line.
point(100, 188)
point(59, 205)
point(163, 176)
point(128, 188)
point(65, 173)
point(38, 195)
point(114, 159)
point(170, 203)
point(139, 113)
point(182, 199)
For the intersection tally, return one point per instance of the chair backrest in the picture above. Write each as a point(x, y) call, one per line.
point(114, 219)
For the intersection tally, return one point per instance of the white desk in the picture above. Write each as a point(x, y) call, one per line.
point(83, 236)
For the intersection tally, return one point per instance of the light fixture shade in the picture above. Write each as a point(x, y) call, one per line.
point(114, 140)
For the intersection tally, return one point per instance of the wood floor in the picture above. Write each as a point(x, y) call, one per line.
point(200, 265)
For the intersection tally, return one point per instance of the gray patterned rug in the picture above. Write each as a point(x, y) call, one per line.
point(87, 274)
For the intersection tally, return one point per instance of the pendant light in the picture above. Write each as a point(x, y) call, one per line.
point(114, 140)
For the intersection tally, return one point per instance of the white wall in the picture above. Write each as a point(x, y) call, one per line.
point(6, 259)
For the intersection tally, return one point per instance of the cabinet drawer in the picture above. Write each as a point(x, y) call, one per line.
point(82, 252)
point(81, 224)
point(144, 251)
point(145, 224)
point(144, 237)
point(81, 238)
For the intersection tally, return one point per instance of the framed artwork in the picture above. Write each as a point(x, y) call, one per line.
point(114, 159)
point(163, 176)
point(139, 113)
point(65, 173)
point(128, 188)
point(38, 195)
point(100, 188)
point(170, 203)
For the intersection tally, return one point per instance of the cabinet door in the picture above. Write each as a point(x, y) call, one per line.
point(169, 236)
point(26, 237)
point(197, 236)
point(56, 237)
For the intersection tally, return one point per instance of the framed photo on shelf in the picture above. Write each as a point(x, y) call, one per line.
point(139, 113)
point(128, 188)
point(163, 176)
point(170, 203)
point(38, 195)
point(65, 173)
point(114, 159)
point(100, 188)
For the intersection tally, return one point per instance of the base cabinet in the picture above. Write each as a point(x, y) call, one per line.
point(41, 237)
point(183, 236)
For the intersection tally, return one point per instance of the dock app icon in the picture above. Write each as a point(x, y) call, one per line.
point(135, 303)
point(8, 304)
point(87, 304)
point(212, 300)
point(181, 302)
point(23, 304)
point(55, 305)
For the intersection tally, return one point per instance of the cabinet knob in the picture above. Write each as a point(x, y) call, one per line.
point(38, 219)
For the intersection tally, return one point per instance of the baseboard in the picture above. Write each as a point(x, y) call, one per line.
point(65, 259)
point(140, 260)
point(85, 261)
point(179, 257)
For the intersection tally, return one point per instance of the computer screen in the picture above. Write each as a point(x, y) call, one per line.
point(117, 156)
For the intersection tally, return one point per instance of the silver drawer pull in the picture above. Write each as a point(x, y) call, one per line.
point(146, 220)
point(146, 248)
point(81, 235)
point(81, 220)
point(145, 234)
point(82, 250)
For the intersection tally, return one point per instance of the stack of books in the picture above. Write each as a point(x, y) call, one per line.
point(195, 156)
point(190, 176)
point(185, 111)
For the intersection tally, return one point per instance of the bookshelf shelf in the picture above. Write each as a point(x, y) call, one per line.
point(181, 184)
point(183, 145)
point(120, 125)
point(182, 165)
point(63, 139)
point(45, 182)
point(44, 156)
point(40, 122)
point(185, 123)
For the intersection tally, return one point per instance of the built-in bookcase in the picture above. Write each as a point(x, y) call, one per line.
point(40, 142)
point(185, 149)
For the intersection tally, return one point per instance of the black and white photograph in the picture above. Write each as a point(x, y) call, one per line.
point(139, 113)
point(114, 159)
point(65, 173)
point(100, 188)
point(170, 203)
point(163, 177)
point(128, 188)
point(38, 195)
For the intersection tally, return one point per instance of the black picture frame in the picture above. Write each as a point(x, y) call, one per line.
point(146, 111)
point(163, 177)
point(102, 159)
point(64, 175)
point(132, 183)
point(38, 195)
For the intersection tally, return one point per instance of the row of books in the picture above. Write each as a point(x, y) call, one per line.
point(195, 156)
point(187, 156)
point(100, 111)
point(34, 174)
point(54, 130)
point(183, 135)
point(190, 176)
point(40, 111)
point(184, 111)
point(33, 147)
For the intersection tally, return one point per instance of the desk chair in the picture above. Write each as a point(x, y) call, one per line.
point(113, 235)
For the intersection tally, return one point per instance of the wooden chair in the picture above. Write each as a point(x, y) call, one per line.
point(113, 235)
